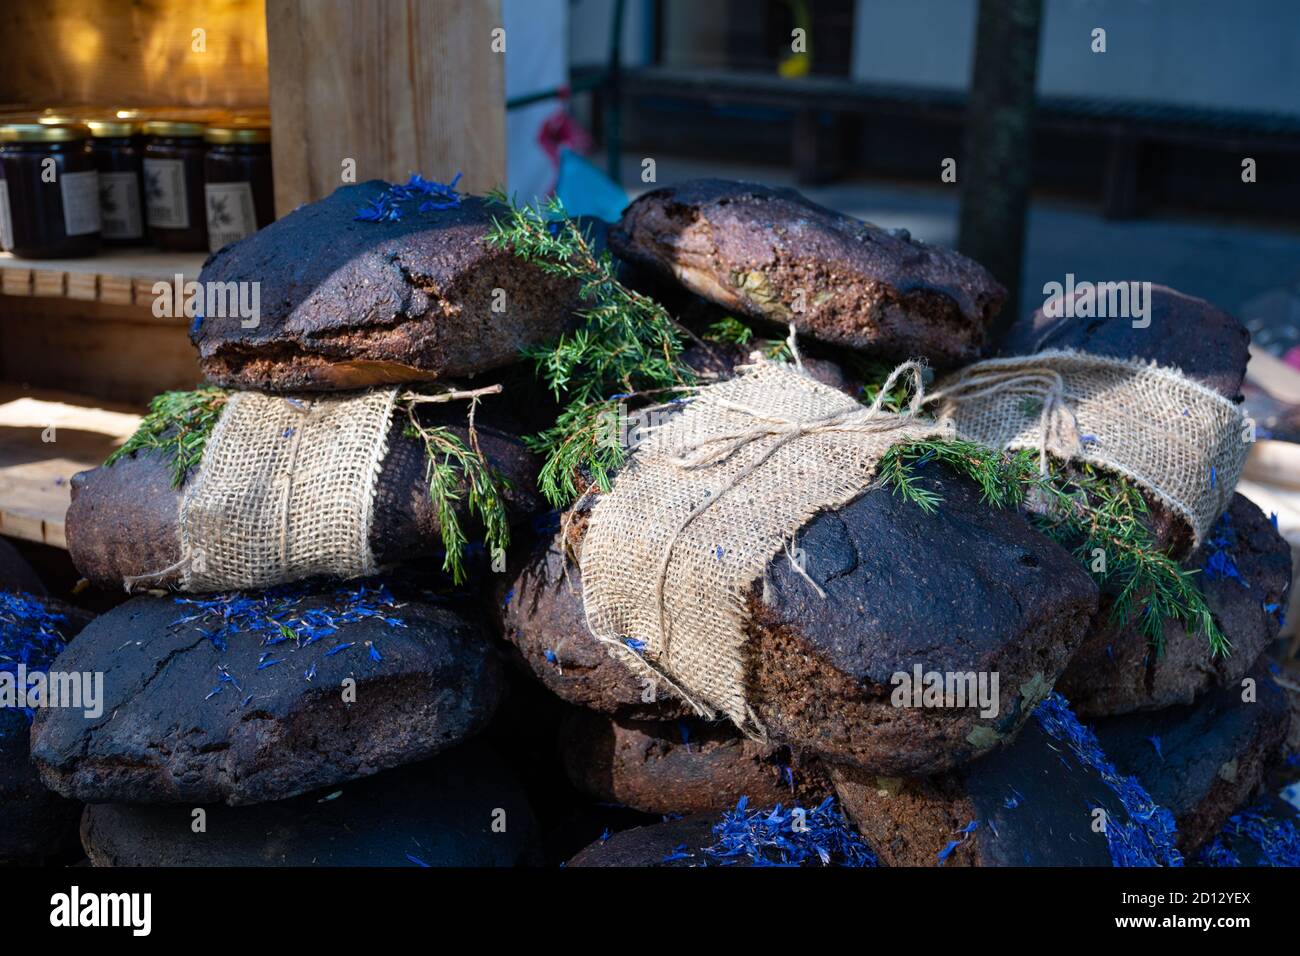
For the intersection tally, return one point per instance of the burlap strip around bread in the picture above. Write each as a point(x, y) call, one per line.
point(1182, 442)
point(285, 490)
point(699, 510)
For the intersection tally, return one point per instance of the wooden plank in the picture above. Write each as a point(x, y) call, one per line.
point(51, 283)
point(15, 280)
point(119, 276)
point(1274, 376)
point(1274, 463)
point(142, 293)
point(83, 285)
point(395, 87)
point(121, 352)
point(117, 290)
point(46, 437)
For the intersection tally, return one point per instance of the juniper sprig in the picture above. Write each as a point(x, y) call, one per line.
point(583, 441)
point(177, 424)
point(731, 331)
point(1086, 511)
point(1096, 514)
point(625, 346)
point(999, 476)
point(456, 469)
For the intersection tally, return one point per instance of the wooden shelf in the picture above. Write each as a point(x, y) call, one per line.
point(115, 276)
point(46, 437)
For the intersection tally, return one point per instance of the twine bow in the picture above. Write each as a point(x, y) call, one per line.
point(873, 419)
point(1057, 423)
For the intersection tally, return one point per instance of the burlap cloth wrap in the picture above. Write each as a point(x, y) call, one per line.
point(1179, 440)
point(285, 490)
point(699, 510)
point(692, 521)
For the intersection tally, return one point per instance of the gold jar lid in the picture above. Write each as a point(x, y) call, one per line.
point(60, 116)
point(237, 133)
point(107, 129)
point(170, 127)
point(42, 133)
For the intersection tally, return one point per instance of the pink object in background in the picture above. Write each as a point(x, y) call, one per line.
point(1292, 357)
point(559, 130)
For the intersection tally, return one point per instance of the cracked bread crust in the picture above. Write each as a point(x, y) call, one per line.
point(346, 304)
point(772, 254)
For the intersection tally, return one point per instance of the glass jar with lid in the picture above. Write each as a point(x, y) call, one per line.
point(118, 151)
point(49, 191)
point(238, 184)
point(173, 184)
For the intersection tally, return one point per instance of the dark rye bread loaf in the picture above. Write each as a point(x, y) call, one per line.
point(1206, 343)
point(965, 589)
point(1204, 760)
point(680, 766)
point(538, 609)
point(764, 837)
point(1029, 805)
point(203, 707)
point(35, 823)
point(772, 254)
point(1244, 571)
point(1033, 803)
point(346, 304)
point(673, 844)
point(435, 813)
point(123, 519)
point(538, 605)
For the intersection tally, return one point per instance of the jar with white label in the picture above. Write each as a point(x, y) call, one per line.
point(238, 185)
point(119, 153)
point(49, 191)
point(173, 184)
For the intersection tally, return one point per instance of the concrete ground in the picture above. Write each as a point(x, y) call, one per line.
point(1252, 270)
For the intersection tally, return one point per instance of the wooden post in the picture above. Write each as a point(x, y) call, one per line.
point(996, 168)
point(395, 87)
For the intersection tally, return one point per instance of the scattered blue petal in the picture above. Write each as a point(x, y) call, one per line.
point(429, 195)
point(786, 837)
point(1147, 837)
point(1277, 840)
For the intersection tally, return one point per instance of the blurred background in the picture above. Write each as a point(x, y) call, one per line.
point(1135, 159)
point(1133, 154)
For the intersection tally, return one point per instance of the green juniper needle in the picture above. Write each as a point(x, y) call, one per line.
point(626, 344)
point(177, 424)
point(1085, 511)
point(451, 465)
